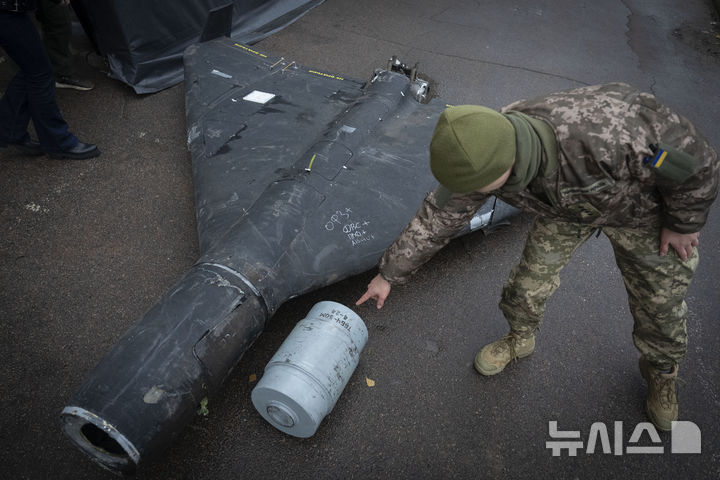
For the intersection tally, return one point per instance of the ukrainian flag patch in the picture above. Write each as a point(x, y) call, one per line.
point(658, 160)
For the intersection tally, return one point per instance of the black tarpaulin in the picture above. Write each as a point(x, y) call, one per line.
point(144, 40)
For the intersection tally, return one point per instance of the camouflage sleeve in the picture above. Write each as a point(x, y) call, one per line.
point(440, 217)
point(686, 204)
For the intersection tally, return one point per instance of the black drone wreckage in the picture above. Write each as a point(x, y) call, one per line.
point(302, 178)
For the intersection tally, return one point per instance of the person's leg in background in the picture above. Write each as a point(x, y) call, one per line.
point(31, 95)
point(56, 26)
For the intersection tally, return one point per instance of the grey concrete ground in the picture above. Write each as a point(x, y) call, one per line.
point(86, 248)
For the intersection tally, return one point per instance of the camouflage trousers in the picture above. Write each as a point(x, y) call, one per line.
point(655, 285)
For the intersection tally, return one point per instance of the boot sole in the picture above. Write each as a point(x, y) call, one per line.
point(73, 87)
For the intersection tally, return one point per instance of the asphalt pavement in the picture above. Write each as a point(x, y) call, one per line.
point(86, 247)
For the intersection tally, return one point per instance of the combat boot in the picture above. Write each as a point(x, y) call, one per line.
point(662, 403)
point(495, 356)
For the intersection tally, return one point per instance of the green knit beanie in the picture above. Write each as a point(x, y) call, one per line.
point(471, 147)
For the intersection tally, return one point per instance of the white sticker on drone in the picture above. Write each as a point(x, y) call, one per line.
point(259, 97)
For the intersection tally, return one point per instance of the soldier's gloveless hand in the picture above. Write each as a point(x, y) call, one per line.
point(378, 289)
point(683, 243)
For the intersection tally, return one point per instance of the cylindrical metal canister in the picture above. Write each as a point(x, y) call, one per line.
point(306, 376)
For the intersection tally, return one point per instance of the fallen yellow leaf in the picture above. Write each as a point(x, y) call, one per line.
point(253, 378)
point(370, 382)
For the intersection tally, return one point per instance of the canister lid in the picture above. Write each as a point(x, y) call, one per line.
point(286, 413)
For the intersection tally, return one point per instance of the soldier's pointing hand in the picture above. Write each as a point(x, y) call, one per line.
point(378, 289)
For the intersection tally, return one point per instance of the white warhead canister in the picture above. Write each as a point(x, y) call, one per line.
point(307, 374)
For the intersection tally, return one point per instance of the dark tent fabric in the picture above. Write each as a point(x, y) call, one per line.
point(144, 40)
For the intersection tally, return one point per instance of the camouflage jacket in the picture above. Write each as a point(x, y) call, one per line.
point(603, 135)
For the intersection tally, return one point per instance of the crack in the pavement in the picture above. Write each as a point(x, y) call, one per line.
point(630, 31)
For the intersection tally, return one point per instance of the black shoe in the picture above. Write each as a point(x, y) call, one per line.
point(78, 152)
point(71, 82)
point(28, 147)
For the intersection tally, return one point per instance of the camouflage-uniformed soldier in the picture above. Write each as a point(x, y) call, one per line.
point(602, 157)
